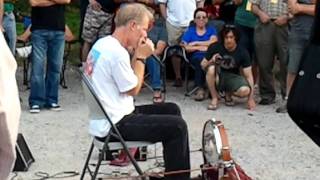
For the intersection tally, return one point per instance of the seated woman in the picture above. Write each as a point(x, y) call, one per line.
point(196, 40)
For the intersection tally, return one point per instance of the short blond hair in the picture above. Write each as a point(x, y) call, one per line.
point(132, 11)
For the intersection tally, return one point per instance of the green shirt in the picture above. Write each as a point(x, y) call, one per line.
point(245, 17)
point(8, 7)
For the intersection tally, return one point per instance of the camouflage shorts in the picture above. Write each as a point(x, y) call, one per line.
point(96, 24)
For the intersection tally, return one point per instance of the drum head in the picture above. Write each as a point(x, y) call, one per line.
point(211, 143)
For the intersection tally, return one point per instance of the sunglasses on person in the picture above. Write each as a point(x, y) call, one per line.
point(230, 26)
point(201, 17)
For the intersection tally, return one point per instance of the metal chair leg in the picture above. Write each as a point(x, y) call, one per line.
point(98, 165)
point(86, 165)
point(62, 74)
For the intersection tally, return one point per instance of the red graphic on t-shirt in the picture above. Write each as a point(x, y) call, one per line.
point(89, 66)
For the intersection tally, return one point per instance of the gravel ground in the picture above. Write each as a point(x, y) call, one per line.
point(268, 146)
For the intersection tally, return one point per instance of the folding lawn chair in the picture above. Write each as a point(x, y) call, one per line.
point(98, 112)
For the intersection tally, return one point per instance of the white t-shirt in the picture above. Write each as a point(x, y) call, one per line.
point(111, 76)
point(180, 12)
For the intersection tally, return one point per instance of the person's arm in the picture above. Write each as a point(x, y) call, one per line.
point(217, 1)
point(68, 35)
point(212, 40)
point(200, 3)
point(45, 3)
point(297, 8)
point(61, 1)
point(163, 10)
point(1, 15)
point(247, 73)
point(41, 3)
point(263, 17)
point(237, 2)
point(190, 48)
point(123, 1)
point(144, 50)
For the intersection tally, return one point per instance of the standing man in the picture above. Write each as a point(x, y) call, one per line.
point(178, 14)
point(271, 41)
point(9, 24)
point(97, 23)
point(299, 35)
point(116, 79)
point(245, 21)
point(48, 26)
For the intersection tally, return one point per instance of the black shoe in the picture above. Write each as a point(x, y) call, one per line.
point(282, 108)
point(266, 101)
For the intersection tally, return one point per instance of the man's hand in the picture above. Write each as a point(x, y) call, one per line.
point(281, 20)
point(145, 48)
point(214, 58)
point(251, 104)
point(1, 28)
point(95, 5)
point(264, 17)
point(293, 7)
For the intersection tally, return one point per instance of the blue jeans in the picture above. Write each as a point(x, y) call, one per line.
point(46, 45)
point(9, 25)
point(154, 71)
point(199, 74)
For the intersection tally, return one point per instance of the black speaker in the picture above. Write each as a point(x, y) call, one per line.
point(24, 156)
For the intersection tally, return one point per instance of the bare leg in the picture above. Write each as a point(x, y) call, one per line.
point(176, 63)
point(290, 78)
point(85, 51)
point(243, 91)
point(211, 81)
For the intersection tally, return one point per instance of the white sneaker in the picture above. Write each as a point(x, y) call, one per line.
point(34, 109)
point(55, 107)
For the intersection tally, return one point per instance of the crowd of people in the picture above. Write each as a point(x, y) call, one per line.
point(266, 32)
point(233, 46)
point(250, 37)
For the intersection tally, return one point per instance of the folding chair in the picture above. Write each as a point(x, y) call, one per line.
point(67, 51)
point(97, 112)
point(177, 50)
point(26, 61)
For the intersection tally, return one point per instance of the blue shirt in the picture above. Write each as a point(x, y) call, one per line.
point(191, 35)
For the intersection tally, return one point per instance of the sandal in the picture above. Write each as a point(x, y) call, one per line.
point(157, 97)
point(229, 102)
point(123, 159)
point(200, 95)
point(212, 106)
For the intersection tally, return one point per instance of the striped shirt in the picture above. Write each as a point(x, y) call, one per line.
point(274, 8)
